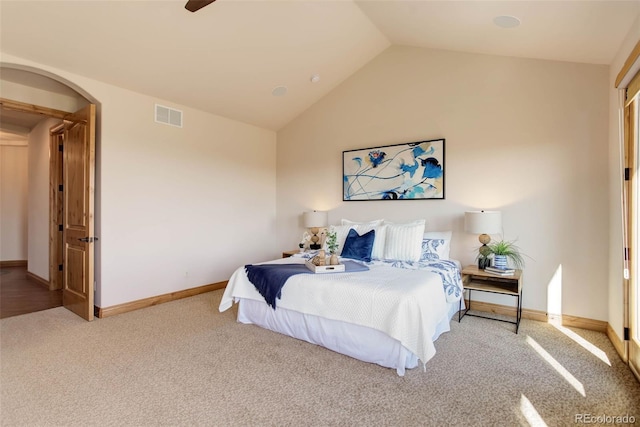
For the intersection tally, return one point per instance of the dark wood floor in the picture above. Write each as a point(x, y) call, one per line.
point(21, 295)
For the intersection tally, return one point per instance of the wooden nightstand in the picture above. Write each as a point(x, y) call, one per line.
point(475, 279)
point(287, 254)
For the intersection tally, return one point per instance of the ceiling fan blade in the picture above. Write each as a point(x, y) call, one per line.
point(195, 5)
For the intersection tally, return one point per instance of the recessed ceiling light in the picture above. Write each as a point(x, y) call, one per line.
point(315, 78)
point(505, 21)
point(279, 91)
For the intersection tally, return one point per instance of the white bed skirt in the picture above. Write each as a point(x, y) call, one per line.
point(360, 342)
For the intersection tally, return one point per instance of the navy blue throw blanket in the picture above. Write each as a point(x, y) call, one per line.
point(270, 278)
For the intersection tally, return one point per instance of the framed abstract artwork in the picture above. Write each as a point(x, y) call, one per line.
point(410, 171)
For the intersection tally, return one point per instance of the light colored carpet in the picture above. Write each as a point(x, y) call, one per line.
point(183, 363)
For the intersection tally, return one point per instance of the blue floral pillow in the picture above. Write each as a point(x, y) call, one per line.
point(357, 246)
point(432, 249)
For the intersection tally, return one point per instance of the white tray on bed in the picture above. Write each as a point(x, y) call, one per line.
point(324, 268)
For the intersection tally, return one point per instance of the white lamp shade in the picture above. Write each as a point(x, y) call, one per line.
point(483, 222)
point(315, 219)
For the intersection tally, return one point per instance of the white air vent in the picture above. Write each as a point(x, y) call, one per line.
point(168, 116)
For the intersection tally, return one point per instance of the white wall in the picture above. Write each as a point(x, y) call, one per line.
point(615, 255)
point(176, 208)
point(527, 137)
point(39, 198)
point(180, 207)
point(14, 180)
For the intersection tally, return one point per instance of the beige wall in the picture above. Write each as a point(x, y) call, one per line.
point(615, 255)
point(523, 136)
point(14, 180)
point(527, 137)
point(175, 208)
point(180, 207)
point(39, 198)
point(20, 92)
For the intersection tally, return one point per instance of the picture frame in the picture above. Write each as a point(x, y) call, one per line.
point(408, 171)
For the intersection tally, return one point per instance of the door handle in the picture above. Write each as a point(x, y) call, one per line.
point(88, 239)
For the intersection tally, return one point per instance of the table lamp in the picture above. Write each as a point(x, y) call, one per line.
point(314, 220)
point(483, 223)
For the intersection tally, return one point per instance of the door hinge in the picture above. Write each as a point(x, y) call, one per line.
point(626, 334)
point(627, 174)
point(60, 187)
point(60, 267)
point(60, 227)
point(626, 254)
point(60, 147)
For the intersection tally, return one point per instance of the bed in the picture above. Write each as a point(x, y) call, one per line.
point(389, 314)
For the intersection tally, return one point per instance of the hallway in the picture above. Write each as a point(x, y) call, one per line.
point(20, 295)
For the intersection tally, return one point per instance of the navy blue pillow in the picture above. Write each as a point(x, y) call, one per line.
point(357, 246)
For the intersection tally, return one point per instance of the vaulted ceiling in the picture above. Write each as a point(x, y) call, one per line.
point(230, 57)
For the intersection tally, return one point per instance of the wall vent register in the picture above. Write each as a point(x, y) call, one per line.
point(168, 116)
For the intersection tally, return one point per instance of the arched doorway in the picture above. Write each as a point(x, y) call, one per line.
point(24, 91)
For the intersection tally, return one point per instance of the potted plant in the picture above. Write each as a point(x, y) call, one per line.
point(332, 244)
point(504, 251)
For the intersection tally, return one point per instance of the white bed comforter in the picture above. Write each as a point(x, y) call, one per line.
point(405, 304)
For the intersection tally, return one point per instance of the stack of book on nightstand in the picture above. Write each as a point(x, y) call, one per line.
point(500, 271)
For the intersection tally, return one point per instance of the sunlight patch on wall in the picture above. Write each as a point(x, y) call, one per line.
point(557, 366)
point(529, 411)
point(554, 294)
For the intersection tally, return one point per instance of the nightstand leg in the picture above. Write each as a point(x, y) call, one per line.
point(460, 311)
point(519, 311)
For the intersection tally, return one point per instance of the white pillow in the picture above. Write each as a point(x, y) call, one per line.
point(372, 223)
point(403, 242)
point(341, 235)
point(435, 245)
point(378, 244)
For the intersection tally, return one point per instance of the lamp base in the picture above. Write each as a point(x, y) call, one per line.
point(314, 245)
point(484, 262)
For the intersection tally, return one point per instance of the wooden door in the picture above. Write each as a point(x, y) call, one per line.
point(631, 199)
point(78, 215)
point(630, 87)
